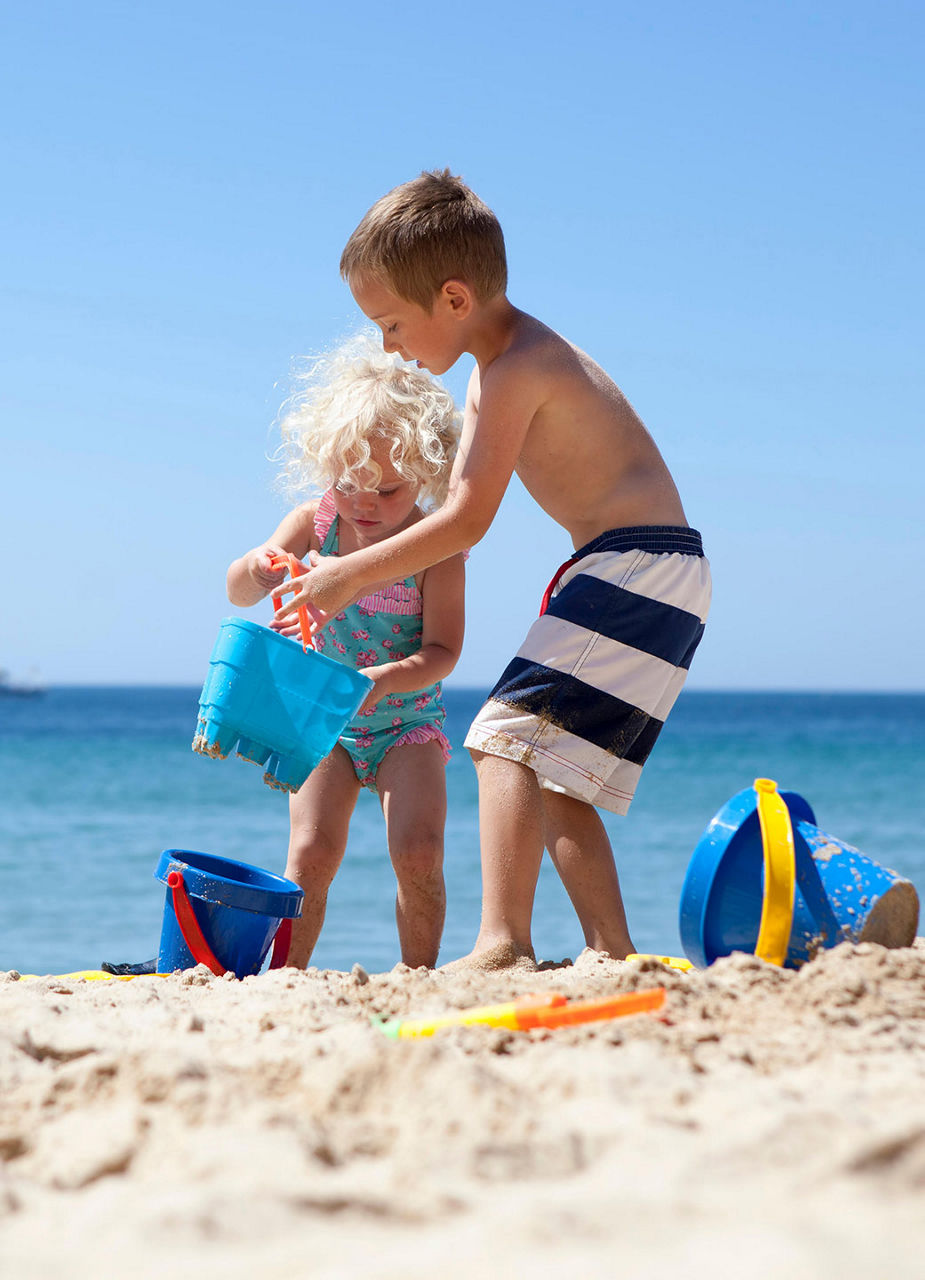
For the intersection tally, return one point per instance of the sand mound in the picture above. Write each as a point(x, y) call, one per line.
point(768, 1123)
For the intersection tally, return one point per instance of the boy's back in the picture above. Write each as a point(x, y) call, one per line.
point(585, 456)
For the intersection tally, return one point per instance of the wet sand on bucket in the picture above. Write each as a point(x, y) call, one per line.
point(766, 1123)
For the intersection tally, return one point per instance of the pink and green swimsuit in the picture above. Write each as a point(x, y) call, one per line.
point(383, 627)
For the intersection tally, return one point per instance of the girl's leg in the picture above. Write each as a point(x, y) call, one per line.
point(511, 830)
point(319, 818)
point(580, 849)
point(411, 782)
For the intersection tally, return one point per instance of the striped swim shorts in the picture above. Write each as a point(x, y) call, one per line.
point(586, 696)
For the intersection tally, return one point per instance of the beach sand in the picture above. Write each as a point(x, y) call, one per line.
point(766, 1124)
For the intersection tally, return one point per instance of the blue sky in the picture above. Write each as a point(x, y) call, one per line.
point(722, 203)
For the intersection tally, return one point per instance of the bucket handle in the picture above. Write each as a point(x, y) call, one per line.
point(779, 873)
point(295, 567)
point(195, 940)
point(281, 944)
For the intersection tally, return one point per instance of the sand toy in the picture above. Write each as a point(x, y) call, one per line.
point(670, 962)
point(223, 914)
point(527, 1014)
point(764, 879)
point(274, 701)
point(81, 975)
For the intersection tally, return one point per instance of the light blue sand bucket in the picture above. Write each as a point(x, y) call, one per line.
point(274, 703)
point(771, 883)
point(223, 913)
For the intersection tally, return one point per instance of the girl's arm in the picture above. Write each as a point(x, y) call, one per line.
point(443, 622)
point(250, 577)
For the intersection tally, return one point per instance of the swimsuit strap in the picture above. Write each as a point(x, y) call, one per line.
point(399, 597)
point(325, 516)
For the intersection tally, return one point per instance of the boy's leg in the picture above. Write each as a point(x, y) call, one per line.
point(411, 782)
point(511, 832)
point(580, 850)
point(319, 819)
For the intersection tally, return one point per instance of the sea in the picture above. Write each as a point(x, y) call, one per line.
point(96, 782)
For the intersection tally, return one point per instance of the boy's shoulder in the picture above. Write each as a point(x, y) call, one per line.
point(532, 365)
point(528, 346)
point(531, 340)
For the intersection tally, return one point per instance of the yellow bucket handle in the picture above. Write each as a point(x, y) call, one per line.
point(779, 873)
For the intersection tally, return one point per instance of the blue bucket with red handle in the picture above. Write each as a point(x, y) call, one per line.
point(223, 914)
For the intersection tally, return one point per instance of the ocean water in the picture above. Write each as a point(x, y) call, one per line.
point(96, 782)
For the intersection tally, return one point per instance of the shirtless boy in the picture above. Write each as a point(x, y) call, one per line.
point(573, 717)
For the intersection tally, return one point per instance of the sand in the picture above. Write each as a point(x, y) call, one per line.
point(767, 1124)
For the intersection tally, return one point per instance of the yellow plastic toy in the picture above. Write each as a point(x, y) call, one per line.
point(87, 975)
point(671, 962)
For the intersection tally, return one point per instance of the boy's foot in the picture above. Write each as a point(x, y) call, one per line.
point(503, 955)
point(129, 970)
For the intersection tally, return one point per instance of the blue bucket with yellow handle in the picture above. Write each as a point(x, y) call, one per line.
point(223, 914)
point(765, 879)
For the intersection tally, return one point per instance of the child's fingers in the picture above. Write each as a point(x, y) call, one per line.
point(284, 627)
point(293, 595)
point(273, 563)
point(285, 608)
point(289, 609)
point(268, 569)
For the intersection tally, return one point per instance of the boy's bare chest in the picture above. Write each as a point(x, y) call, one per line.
point(560, 443)
point(555, 468)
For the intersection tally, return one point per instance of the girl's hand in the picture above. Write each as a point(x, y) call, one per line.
point(379, 676)
point(286, 626)
point(260, 567)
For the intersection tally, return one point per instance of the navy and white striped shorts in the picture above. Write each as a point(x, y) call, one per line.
point(586, 696)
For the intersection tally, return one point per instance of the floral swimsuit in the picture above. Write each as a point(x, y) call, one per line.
point(383, 627)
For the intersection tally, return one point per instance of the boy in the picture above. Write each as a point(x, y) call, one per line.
point(575, 714)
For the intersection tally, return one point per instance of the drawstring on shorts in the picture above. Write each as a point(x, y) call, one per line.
point(547, 595)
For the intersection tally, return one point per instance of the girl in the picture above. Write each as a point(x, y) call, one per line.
point(377, 439)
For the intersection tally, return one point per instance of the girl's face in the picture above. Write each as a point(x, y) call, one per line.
point(377, 513)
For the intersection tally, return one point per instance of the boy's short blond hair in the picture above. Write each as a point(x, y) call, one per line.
point(426, 232)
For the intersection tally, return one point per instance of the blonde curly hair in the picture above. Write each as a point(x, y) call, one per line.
point(355, 396)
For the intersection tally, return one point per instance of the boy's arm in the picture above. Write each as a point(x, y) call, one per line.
point(250, 577)
point(497, 417)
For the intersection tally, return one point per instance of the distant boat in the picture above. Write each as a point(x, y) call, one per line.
point(31, 687)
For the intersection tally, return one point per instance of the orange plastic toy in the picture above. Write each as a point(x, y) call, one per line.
point(530, 1012)
point(306, 624)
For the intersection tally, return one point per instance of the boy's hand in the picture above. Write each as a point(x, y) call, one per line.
point(325, 588)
